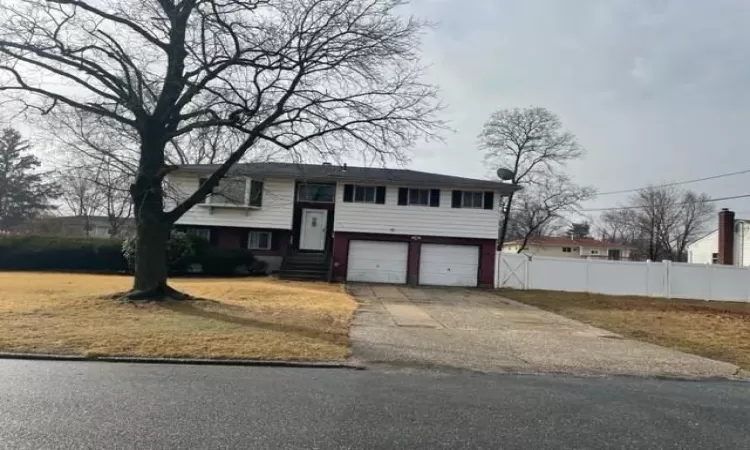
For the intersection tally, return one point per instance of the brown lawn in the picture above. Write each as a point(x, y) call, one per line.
point(239, 318)
point(718, 330)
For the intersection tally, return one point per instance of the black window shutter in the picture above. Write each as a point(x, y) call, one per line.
point(456, 199)
point(348, 193)
point(380, 195)
point(403, 196)
point(435, 197)
point(256, 193)
point(244, 238)
point(489, 200)
point(275, 240)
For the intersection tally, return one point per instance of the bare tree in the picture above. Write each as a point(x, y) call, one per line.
point(532, 144)
point(312, 77)
point(660, 221)
point(80, 192)
point(539, 209)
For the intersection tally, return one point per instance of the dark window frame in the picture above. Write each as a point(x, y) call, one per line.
point(198, 232)
point(474, 196)
point(300, 190)
point(269, 240)
point(421, 194)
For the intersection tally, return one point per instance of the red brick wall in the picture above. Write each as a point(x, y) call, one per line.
point(486, 253)
point(726, 237)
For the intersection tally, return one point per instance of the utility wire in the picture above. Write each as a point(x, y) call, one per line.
point(677, 183)
point(620, 208)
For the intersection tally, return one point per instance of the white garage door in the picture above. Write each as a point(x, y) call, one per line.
point(377, 262)
point(448, 265)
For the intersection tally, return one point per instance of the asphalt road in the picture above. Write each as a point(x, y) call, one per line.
point(73, 405)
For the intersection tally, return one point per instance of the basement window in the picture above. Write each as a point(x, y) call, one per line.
point(259, 240)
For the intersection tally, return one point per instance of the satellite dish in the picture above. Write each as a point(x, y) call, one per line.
point(504, 174)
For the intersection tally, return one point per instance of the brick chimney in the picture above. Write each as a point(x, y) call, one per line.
point(726, 237)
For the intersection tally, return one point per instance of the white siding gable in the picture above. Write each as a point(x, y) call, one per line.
point(700, 251)
point(390, 218)
point(276, 211)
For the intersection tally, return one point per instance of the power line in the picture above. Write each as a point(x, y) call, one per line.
point(677, 183)
point(621, 208)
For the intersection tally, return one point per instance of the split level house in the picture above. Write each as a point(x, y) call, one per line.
point(351, 223)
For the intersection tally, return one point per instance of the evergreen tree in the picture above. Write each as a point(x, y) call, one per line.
point(24, 192)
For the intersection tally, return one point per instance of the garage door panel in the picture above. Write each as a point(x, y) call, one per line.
point(448, 265)
point(377, 262)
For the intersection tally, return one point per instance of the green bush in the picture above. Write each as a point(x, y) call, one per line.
point(61, 254)
point(227, 261)
point(180, 251)
point(194, 255)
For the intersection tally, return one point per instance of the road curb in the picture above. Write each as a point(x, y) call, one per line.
point(185, 361)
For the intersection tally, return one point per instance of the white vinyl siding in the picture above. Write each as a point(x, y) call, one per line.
point(377, 262)
point(391, 218)
point(449, 265)
point(275, 212)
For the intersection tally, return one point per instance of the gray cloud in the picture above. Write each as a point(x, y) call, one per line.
point(655, 90)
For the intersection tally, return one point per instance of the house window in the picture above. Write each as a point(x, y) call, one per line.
point(419, 197)
point(567, 249)
point(237, 191)
point(470, 199)
point(259, 240)
point(314, 192)
point(364, 194)
point(203, 233)
point(594, 252)
point(714, 258)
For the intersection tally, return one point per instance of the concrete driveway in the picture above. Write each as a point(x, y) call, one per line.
point(479, 330)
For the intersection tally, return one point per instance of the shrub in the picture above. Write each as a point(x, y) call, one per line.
point(228, 261)
point(192, 254)
point(62, 254)
point(180, 250)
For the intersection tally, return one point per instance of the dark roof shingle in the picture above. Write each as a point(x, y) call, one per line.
point(322, 172)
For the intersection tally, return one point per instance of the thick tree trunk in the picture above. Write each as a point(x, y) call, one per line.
point(152, 226)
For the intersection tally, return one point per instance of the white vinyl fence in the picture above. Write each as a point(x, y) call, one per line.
point(655, 279)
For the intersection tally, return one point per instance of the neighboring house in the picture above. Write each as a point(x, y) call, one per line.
point(76, 226)
point(728, 244)
point(351, 223)
point(567, 247)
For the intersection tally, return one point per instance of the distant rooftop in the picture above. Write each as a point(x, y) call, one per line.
point(566, 241)
point(330, 172)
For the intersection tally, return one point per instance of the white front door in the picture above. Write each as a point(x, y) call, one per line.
point(377, 262)
point(312, 235)
point(449, 265)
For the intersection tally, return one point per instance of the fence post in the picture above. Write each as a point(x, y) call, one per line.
point(498, 268)
point(668, 278)
point(710, 278)
point(648, 278)
point(526, 269)
point(588, 262)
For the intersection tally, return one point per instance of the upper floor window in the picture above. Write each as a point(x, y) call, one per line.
point(316, 192)
point(237, 191)
point(473, 199)
point(364, 194)
point(419, 197)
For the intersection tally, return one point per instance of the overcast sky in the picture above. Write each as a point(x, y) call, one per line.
point(655, 90)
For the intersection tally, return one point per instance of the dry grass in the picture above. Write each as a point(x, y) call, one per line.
point(718, 330)
point(244, 318)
